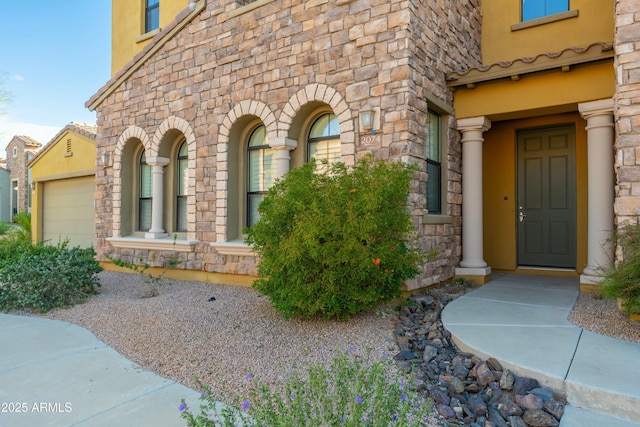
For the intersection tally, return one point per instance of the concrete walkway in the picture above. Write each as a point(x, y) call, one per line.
point(521, 320)
point(53, 373)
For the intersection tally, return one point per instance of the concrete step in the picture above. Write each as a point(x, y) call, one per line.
point(581, 417)
point(522, 322)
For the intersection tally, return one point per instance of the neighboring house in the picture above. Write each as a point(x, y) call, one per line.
point(20, 150)
point(232, 94)
point(5, 192)
point(63, 176)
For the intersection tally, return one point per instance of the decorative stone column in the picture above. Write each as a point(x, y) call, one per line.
point(472, 265)
point(282, 146)
point(601, 182)
point(157, 202)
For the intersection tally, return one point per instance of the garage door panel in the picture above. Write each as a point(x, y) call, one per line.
point(68, 211)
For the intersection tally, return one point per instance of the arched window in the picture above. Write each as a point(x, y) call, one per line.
point(324, 139)
point(261, 172)
point(144, 194)
point(182, 173)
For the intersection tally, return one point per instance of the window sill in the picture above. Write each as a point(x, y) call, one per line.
point(248, 7)
point(166, 244)
point(233, 248)
point(437, 219)
point(545, 20)
point(147, 36)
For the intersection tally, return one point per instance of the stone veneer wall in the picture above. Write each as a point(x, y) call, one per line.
point(627, 110)
point(272, 62)
point(18, 171)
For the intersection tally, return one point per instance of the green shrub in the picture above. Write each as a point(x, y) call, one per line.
point(352, 391)
point(623, 279)
point(23, 230)
point(12, 249)
point(336, 243)
point(5, 227)
point(43, 277)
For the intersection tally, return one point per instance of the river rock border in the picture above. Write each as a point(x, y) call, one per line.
point(465, 389)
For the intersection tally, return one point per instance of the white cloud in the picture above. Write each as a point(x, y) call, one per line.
point(18, 77)
point(9, 129)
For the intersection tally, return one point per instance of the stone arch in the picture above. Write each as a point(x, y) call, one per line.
point(248, 108)
point(132, 132)
point(181, 125)
point(129, 133)
point(241, 110)
point(325, 94)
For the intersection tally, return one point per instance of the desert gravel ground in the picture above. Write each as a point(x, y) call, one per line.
point(220, 333)
point(183, 332)
point(600, 315)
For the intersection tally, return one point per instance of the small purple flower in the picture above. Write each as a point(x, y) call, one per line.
point(182, 407)
point(351, 349)
point(343, 421)
point(385, 356)
point(245, 405)
point(202, 395)
point(249, 375)
point(292, 397)
point(359, 399)
point(394, 418)
point(403, 396)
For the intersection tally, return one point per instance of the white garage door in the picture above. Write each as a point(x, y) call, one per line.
point(68, 212)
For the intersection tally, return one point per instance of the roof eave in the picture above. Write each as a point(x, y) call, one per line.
point(513, 70)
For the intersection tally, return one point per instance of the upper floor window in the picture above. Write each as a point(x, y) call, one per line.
point(151, 15)
point(434, 163)
point(182, 187)
point(532, 9)
point(15, 151)
point(144, 194)
point(324, 139)
point(261, 172)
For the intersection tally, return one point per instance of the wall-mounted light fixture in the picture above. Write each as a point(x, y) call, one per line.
point(192, 4)
point(367, 115)
point(33, 186)
point(105, 158)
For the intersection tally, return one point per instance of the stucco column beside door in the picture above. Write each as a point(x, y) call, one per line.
point(157, 202)
point(472, 263)
point(601, 181)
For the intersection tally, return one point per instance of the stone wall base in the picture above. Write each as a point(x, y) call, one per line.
point(190, 275)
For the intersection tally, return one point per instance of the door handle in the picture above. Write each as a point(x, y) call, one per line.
point(522, 215)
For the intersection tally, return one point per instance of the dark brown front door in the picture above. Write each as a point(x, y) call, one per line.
point(547, 197)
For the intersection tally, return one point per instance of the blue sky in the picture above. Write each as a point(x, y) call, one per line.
point(54, 55)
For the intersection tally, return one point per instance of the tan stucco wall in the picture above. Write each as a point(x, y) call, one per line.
point(127, 28)
point(499, 181)
point(54, 163)
point(500, 43)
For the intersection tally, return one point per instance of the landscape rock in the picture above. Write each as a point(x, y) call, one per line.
point(465, 389)
point(529, 401)
point(539, 418)
point(506, 380)
point(555, 408)
point(523, 384)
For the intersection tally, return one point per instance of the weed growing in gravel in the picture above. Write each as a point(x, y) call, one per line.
point(351, 391)
point(622, 280)
point(153, 282)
